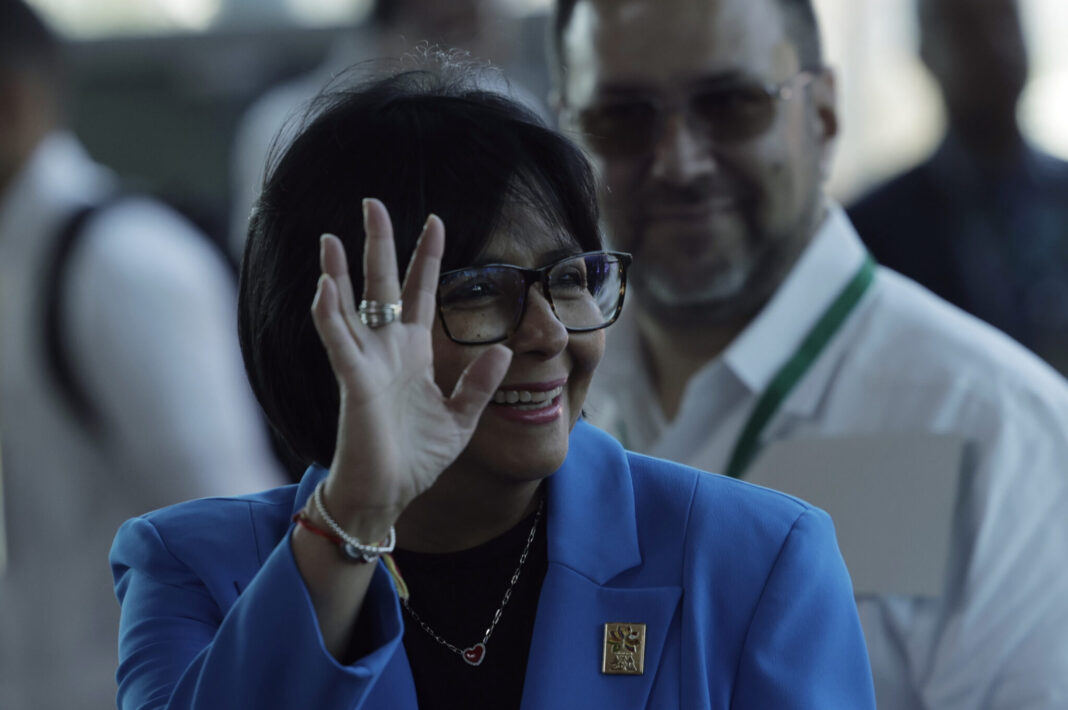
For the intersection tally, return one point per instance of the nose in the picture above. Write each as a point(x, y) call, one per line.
point(540, 332)
point(682, 154)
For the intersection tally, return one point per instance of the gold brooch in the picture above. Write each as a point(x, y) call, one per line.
point(624, 649)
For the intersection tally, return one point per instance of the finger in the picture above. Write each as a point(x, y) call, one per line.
point(380, 280)
point(334, 262)
point(421, 281)
point(478, 383)
point(337, 338)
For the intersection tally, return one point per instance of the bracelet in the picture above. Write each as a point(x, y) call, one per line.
point(305, 522)
point(350, 554)
point(352, 548)
point(301, 518)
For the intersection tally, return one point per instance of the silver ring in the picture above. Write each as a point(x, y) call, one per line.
point(375, 315)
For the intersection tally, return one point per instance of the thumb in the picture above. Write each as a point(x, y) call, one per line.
point(478, 383)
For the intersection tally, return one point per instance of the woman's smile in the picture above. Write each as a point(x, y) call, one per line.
point(535, 403)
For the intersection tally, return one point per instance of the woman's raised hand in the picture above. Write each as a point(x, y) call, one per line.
point(397, 431)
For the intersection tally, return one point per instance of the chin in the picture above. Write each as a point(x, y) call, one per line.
point(696, 288)
point(519, 452)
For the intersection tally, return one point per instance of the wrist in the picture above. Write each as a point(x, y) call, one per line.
point(352, 512)
point(364, 537)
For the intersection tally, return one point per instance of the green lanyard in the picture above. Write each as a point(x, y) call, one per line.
point(795, 368)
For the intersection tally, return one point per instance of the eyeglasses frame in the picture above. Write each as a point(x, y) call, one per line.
point(777, 91)
point(539, 275)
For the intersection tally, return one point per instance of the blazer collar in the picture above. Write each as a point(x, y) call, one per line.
point(592, 527)
point(308, 482)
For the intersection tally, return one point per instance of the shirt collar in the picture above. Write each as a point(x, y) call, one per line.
point(825, 267)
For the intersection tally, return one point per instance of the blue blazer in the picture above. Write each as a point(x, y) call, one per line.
point(743, 592)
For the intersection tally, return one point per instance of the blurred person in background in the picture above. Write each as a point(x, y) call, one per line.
point(984, 221)
point(486, 29)
point(759, 319)
point(145, 325)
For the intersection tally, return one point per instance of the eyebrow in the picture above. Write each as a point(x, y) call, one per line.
point(548, 257)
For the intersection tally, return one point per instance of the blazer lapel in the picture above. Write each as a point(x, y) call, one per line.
point(593, 539)
point(564, 667)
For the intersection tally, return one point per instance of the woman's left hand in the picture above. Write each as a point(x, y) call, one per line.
point(397, 431)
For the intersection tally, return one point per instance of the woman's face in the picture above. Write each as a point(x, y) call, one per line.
point(526, 440)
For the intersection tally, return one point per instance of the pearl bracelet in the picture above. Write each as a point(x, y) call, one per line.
point(352, 548)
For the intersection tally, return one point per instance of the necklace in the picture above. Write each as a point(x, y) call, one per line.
point(474, 655)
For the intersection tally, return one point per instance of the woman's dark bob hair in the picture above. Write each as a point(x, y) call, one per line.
point(429, 139)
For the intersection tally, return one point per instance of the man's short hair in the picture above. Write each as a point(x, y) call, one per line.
point(801, 26)
point(26, 42)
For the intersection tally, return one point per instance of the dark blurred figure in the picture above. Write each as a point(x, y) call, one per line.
point(145, 324)
point(484, 28)
point(984, 221)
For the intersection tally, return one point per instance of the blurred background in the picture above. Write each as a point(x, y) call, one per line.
point(157, 87)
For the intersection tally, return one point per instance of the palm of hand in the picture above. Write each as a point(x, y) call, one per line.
point(397, 431)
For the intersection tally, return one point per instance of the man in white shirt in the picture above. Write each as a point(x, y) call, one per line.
point(757, 318)
point(148, 324)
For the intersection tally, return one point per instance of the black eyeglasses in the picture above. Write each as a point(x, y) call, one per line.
point(729, 113)
point(485, 304)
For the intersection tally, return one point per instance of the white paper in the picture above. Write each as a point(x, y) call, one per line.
point(892, 499)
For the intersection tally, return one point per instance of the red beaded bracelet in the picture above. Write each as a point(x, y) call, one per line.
point(357, 556)
point(301, 519)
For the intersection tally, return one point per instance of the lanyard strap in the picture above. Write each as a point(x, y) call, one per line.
point(795, 368)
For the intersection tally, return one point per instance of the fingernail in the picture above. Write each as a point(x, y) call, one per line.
point(431, 216)
point(366, 201)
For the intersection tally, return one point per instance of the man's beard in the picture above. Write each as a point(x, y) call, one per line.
point(668, 291)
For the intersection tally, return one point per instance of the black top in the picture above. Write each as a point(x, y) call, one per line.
point(457, 594)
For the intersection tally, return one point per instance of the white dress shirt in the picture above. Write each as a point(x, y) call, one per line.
point(903, 362)
point(150, 314)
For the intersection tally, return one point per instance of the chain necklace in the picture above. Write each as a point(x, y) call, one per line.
point(474, 655)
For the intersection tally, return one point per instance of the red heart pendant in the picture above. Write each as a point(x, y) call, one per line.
point(474, 655)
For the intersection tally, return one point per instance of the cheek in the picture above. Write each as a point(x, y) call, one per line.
point(450, 359)
point(778, 171)
point(587, 349)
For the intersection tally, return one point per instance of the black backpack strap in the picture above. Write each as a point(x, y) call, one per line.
point(57, 354)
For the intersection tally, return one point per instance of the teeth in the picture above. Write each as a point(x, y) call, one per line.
point(526, 397)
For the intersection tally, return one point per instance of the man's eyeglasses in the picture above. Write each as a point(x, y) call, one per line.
point(728, 113)
point(485, 304)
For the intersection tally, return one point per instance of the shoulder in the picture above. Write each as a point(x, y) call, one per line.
point(896, 220)
point(232, 536)
point(658, 481)
point(932, 367)
point(137, 237)
point(927, 338)
point(723, 524)
point(884, 201)
point(140, 258)
point(673, 501)
point(894, 188)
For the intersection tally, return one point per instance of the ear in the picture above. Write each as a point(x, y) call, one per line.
point(823, 94)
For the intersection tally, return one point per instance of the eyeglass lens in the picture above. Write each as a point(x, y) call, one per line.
point(485, 304)
point(631, 126)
